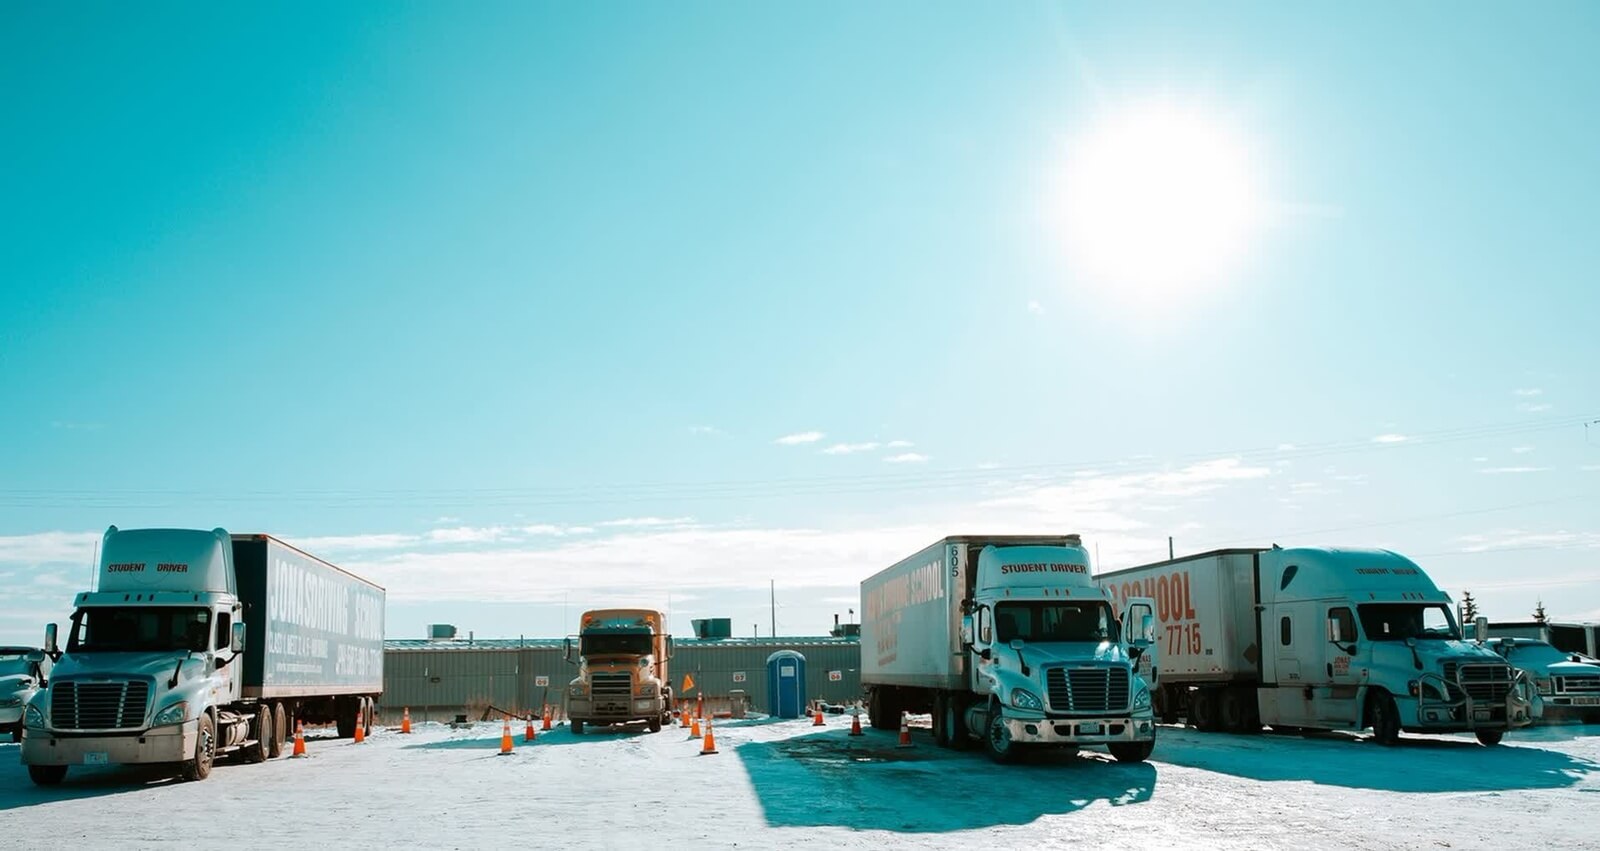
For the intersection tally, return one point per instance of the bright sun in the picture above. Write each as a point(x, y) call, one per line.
point(1159, 201)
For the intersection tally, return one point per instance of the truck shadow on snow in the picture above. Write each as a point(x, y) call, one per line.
point(16, 790)
point(1416, 764)
point(867, 783)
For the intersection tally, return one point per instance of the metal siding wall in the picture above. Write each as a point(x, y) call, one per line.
point(505, 676)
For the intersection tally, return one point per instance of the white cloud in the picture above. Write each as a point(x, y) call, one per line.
point(353, 543)
point(1286, 447)
point(646, 522)
point(1590, 468)
point(989, 465)
point(899, 444)
point(1532, 408)
point(1035, 308)
point(49, 547)
point(907, 458)
point(1517, 539)
point(1521, 450)
point(1481, 459)
point(1389, 438)
point(849, 448)
point(1507, 470)
point(1527, 391)
point(799, 438)
point(708, 431)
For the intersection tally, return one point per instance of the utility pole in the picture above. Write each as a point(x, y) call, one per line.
point(772, 589)
point(1170, 556)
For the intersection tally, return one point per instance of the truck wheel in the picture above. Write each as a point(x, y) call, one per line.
point(1203, 709)
point(261, 731)
point(955, 722)
point(997, 738)
point(1131, 751)
point(577, 726)
point(1385, 718)
point(47, 775)
point(1490, 737)
point(655, 723)
point(280, 727)
point(1168, 701)
point(941, 729)
point(205, 751)
point(349, 711)
point(1232, 711)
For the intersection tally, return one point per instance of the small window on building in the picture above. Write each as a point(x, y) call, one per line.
point(1284, 635)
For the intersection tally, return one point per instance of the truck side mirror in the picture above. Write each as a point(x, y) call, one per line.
point(1480, 628)
point(236, 641)
point(50, 647)
point(566, 650)
point(1335, 630)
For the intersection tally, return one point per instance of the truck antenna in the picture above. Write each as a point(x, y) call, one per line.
point(94, 567)
point(772, 590)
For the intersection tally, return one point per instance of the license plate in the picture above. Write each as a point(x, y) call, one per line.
point(1089, 729)
point(97, 758)
point(1481, 715)
point(1586, 701)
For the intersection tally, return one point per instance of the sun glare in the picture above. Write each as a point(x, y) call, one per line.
point(1158, 201)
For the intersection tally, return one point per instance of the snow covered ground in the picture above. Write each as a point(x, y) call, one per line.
point(786, 784)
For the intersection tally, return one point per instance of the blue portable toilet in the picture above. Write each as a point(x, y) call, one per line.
point(786, 684)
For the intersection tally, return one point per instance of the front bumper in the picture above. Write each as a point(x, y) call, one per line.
point(1441, 715)
point(161, 744)
point(10, 716)
point(1082, 731)
point(613, 711)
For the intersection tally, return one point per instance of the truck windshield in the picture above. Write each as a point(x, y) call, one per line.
point(1540, 655)
point(1400, 621)
point(140, 628)
point(14, 663)
point(615, 644)
point(1053, 621)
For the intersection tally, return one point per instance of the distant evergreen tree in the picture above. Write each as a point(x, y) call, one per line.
point(1469, 608)
point(1538, 614)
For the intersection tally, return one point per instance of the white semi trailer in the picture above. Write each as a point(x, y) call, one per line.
point(1006, 639)
point(1318, 638)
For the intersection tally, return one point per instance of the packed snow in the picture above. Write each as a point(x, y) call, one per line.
point(788, 784)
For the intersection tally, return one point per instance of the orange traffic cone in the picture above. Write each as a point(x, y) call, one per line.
point(528, 735)
point(299, 739)
point(700, 706)
point(361, 727)
point(405, 721)
point(505, 737)
point(684, 715)
point(547, 716)
point(905, 730)
point(709, 746)
point(818, 722)
point(694, 729)
point(855, 722)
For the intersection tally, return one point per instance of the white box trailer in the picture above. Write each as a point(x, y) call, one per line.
point(1318, 638)
point(1006, 639)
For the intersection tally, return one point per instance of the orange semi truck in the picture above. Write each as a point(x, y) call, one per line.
point(622, 657)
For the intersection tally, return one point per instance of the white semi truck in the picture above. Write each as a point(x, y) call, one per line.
point(1319, 639)
point(199, 643)
point(1007, 640)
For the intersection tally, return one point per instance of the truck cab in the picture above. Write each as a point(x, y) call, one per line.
point(149, 655)
point(622, 657)
point(1565, 684)
point(1052, 660)
point(1356, 638)
point(23, 672)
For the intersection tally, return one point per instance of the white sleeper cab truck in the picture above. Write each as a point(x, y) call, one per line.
point(1007, 640)
point(197, 644)
point(23, 671)
point(1319, 639)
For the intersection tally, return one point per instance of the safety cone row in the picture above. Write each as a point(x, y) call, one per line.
point(299, 739)
point(905, 731)
point(528, 735)
point(855, 722)
point(547, 717)
point(405, 721)
point(709, 745)
point(505, 737)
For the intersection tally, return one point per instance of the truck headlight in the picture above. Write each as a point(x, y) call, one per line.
point(1021, 698)
point(1141, 698)
point(33, 717)
point(1545, 685)
point(173, 714)
point(647, 690)
point(576, 690)
point(14, 700)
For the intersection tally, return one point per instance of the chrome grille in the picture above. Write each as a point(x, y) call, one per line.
point(99, 706)
point(1099, 689)
point(1584, 685)
point(1481, 682)
point(618, 684)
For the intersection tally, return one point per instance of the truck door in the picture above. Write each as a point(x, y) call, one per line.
point(1287, 634)
point(1337, 676)
point(1139, 630)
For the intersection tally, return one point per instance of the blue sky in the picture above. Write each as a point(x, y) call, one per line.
point(510, 306)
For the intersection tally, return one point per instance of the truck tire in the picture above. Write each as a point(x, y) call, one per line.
point(205, 751)
point(655, 723)
point(577, 726)
point(47, 775)
point(1168, 702)
point(1385, 718)
point(997, 738)
point(260, 747)
point(16, 735)
point(1232, 711)
point(953, 710)
point(1490, 738)
point(280, 728)
point(1131, 751)
point(349, 711)
point(1203, 709)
